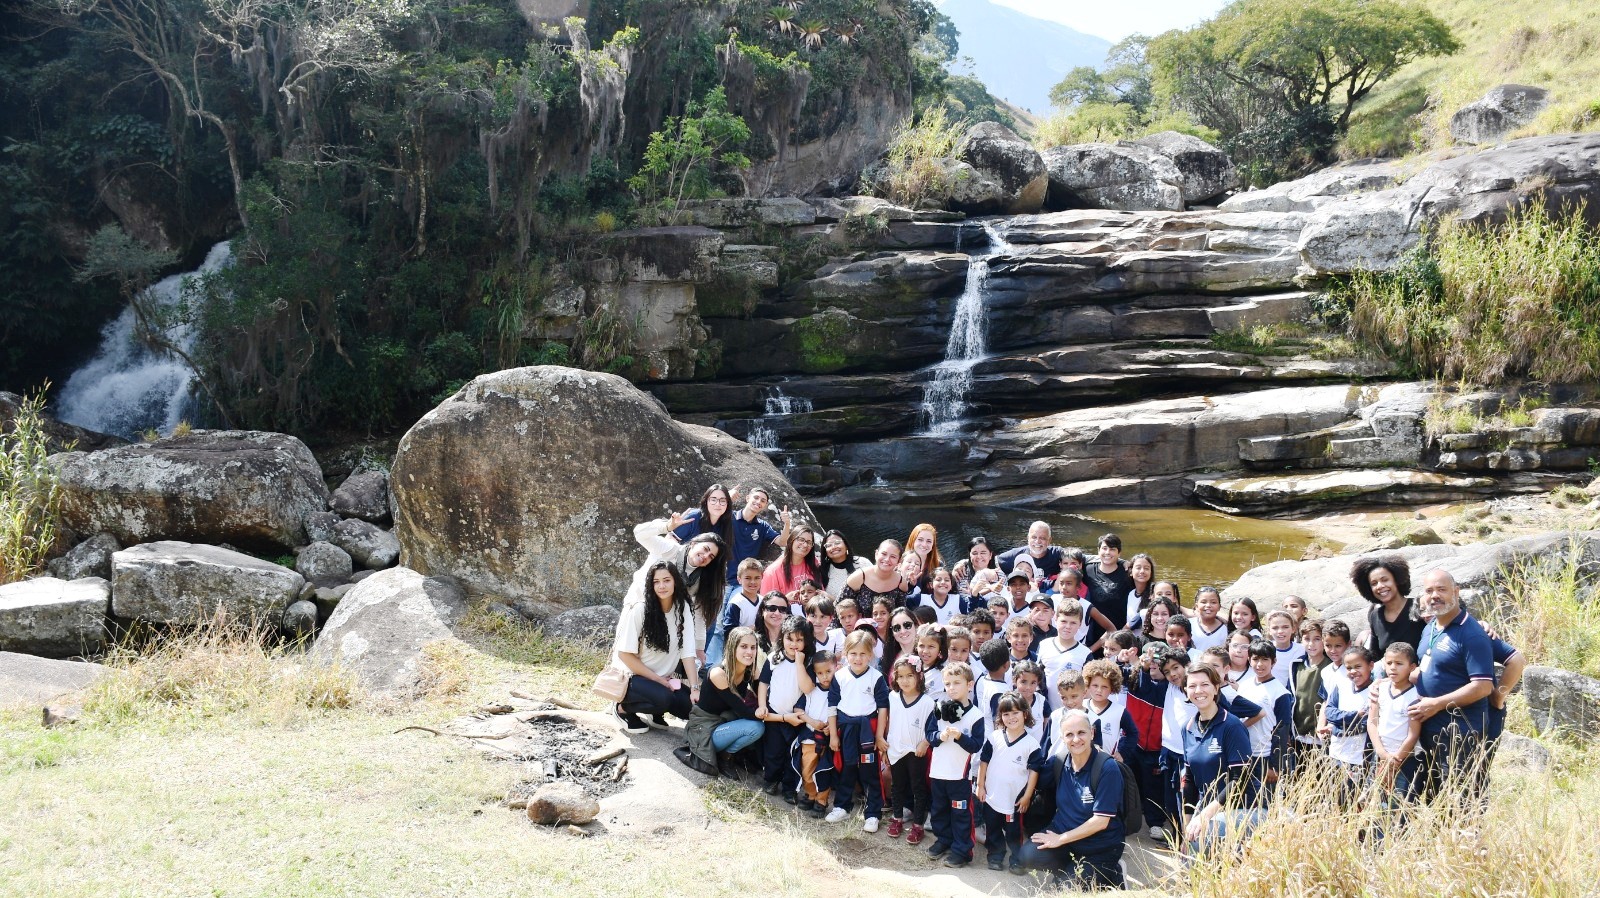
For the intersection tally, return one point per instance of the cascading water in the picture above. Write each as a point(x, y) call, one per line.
point(762, 435)
point(944, 401)
point(128, 387)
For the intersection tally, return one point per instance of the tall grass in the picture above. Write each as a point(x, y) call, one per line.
point(1484, 303)
point(30, 496)
point(914, 169)
point(1547, 608)
point(1528, 843)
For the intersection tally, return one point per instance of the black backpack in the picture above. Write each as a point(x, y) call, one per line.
point(1132, 811)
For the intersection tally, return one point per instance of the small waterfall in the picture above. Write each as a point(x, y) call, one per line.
point(944, 402)
point(128, 388)
point(762, 435)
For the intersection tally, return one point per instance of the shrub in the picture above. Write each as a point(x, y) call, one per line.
point(30, 496)
point(1547, 609)
point(915, 172)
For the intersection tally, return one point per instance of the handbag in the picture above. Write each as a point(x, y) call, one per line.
point(612, 683)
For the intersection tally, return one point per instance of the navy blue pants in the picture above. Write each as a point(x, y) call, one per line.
point(776, 763)
point(647, 697)
point(858, 755)
point(952, 814)
point(1076, 869)
point(1001, 831)
point(1172, 782)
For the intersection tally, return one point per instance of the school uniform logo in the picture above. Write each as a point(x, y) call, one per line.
point(959, 805)
point(1214, 748)
point(1086, 795)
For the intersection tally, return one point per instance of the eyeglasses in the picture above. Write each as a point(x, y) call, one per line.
point(775, 609)
point(900, 628)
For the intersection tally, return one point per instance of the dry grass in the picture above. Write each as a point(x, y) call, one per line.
point(30, 496)
point(1547, 607)
point(915, 172)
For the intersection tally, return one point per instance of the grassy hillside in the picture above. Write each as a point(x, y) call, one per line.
point(1553, 44)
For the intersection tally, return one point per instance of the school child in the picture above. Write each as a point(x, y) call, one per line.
point(958, 645)
point(848, 613)
point(924, 615)
point(1209, 627)
point(740, 608)
point(1393, 734)
point(1041, 613)
point(1297, 609)
point(1244, 618)
point(1344, 717)
point(942, 598)
point(1000, 612)
point(1063, 652)
point(1335, 642)
point(816, 740)
point(995, 656)
point(1238, 657)
point(1114, 728)
point(1071, 688)
point(1269, 736)
point(956, 732)
point(784, 682)
point(1026, 678)
point(1228, 697)
point(1019, 636)
point(1305, 684)
point(860, 697)
point(1280, 631)
point(819, 611)
point(909, 710)
point(1161, 684)
point(1008, 774)
point(982, 626)
point(1123, 647)
point(932, 649)
point(1155, 618)
point(1180, 633)
point(882, 609)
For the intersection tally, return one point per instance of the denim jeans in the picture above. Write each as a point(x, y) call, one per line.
point(737, 735)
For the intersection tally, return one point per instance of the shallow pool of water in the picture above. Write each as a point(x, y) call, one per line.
point(1191, 546)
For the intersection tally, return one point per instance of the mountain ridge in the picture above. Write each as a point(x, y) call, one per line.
point(1017, 56)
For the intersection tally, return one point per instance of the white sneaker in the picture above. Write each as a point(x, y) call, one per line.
point(1158, 834)
point(871, 825)
point(836, 815)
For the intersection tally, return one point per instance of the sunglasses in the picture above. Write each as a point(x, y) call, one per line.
point(775, 609)
point(900, 628)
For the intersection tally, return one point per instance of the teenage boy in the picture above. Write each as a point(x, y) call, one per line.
point(1305, 683)
point(1268, 735)
point(1063, 651)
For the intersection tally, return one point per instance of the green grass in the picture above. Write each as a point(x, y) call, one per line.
point(1282, 340)
point(1553, 44)
point(30, 496)
point(1547, 608)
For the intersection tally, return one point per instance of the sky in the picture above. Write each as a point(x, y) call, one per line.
point(1115, 21)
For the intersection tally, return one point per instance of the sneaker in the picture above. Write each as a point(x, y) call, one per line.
point(790, 797)
point(836, 815)
point(915, 836)
point(871, 826)
point(772, 788)
point(1158, 834)
point(1017, 869)
point(805, 804)
point(937, 849)
point(631, 723)
point(896, 827)
point(996, 863)
point(818, 810)
point(656, 722)
point(958, 860)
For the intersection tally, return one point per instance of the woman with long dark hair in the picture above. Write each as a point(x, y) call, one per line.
point(980, 557)
point(654, 637)
point(701, 563)
point(883, 579)
point(715, 515)
point(838, 562)
point(797, 564)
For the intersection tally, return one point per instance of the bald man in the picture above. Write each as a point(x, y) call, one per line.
point(1455, 679)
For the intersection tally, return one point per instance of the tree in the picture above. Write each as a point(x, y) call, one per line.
point(681, 158)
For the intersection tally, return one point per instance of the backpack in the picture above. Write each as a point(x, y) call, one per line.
point(1132, 811)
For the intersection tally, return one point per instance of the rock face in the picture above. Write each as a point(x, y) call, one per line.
point(171, 582)
point(90, 558)
point(528, 482)
point(363, 495)
point(54, 618)
point(560, 802)
point(30, 680)
point(998, 155)
point(381, 626)
point(595, 625)
point(1207, 172)
point(1113, 176)
point(1561, 700)
point(1503, 109)
point(245, 488)
point(369, 544)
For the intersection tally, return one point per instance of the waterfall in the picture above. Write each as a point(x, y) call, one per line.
point(762, 436)
point(128, 387)
point(944, 401)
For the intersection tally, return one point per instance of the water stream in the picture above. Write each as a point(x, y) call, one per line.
point(944, 402)
point(762, 435)
point(128, 387)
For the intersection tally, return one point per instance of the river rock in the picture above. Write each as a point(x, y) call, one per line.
point(300, 619)
point(997, 154)
point(1113, 176)
point(1319, 188)
point(381, 626)
point(54, 618)
point(324, 564)
point(595, 625)
point(90, 558)
point(562, 801)
point(369, 544)
point(31, 680)
point(171, 582)
point(1561, 700)
point(319, 526)
point(593, 456)
point(364, 495)
point(1207, 172)
point(247, 488)
point(1504, 109)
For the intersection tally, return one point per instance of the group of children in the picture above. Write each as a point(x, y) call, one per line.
point(953, 717)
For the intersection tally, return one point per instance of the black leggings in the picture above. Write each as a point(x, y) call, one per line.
point(647, 697)
point(908, 788)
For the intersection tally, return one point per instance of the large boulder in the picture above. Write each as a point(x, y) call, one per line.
point(997, 154)
point(364, 495)
point(244, 488)
point(527, 483)
point(172, 582)
point(595, 625)
point(324, 564)
point(54, 618)
point(1113, 176)
point(1562, 700)
point(31, 680)
point(90, 558)
point(369, 544)
point(381, 626)
point(1207, 172)
point(1504, 109)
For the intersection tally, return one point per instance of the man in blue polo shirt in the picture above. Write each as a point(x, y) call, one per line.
point(751, 534)
point(1083, 845)
point(1455, 679)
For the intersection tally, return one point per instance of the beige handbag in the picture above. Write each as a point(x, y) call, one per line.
point(612, 684)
